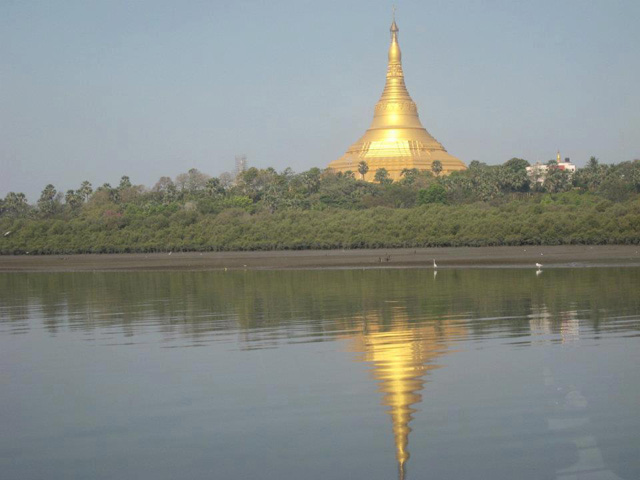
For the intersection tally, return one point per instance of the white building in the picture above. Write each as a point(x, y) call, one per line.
point(538, 171)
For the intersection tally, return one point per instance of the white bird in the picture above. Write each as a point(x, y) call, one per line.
point(170, 253)
point(434, 263)
point(539, 265)
point(6, 234)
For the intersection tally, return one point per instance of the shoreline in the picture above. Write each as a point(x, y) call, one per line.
point(446, 257)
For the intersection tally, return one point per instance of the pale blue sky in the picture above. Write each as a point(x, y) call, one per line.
point(99, 89)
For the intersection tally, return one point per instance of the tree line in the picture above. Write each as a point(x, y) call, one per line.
point(266, 209)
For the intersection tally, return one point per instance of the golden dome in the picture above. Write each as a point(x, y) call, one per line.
point(396, 139)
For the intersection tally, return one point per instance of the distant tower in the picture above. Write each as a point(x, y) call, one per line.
point(241, 164)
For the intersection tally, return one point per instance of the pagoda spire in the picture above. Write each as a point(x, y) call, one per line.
point(395, 55)
point(395, 98)
point(394, 38)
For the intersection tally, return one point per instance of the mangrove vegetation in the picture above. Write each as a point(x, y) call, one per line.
point(262, 209)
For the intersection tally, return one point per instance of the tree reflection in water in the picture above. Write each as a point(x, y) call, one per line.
point(400, 321)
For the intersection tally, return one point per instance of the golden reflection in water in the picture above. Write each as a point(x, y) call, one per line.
point(401, 355)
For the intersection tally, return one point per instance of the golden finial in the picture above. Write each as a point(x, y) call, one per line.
point(394, 27)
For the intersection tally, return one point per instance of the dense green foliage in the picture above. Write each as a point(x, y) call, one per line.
point(265, 210)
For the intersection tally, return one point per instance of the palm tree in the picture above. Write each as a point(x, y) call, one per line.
point(382, 176)
point(85, 190)
point(73, 198)
point(409, 175)
point(436, 167)
point(47, 201)
point(363, 168)
point(125, 182)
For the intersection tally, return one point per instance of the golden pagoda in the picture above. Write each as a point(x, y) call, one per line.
point(396, 140)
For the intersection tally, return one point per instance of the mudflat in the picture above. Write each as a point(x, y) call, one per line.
point(453, 257)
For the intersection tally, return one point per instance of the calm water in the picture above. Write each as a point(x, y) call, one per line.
point(343, 374)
